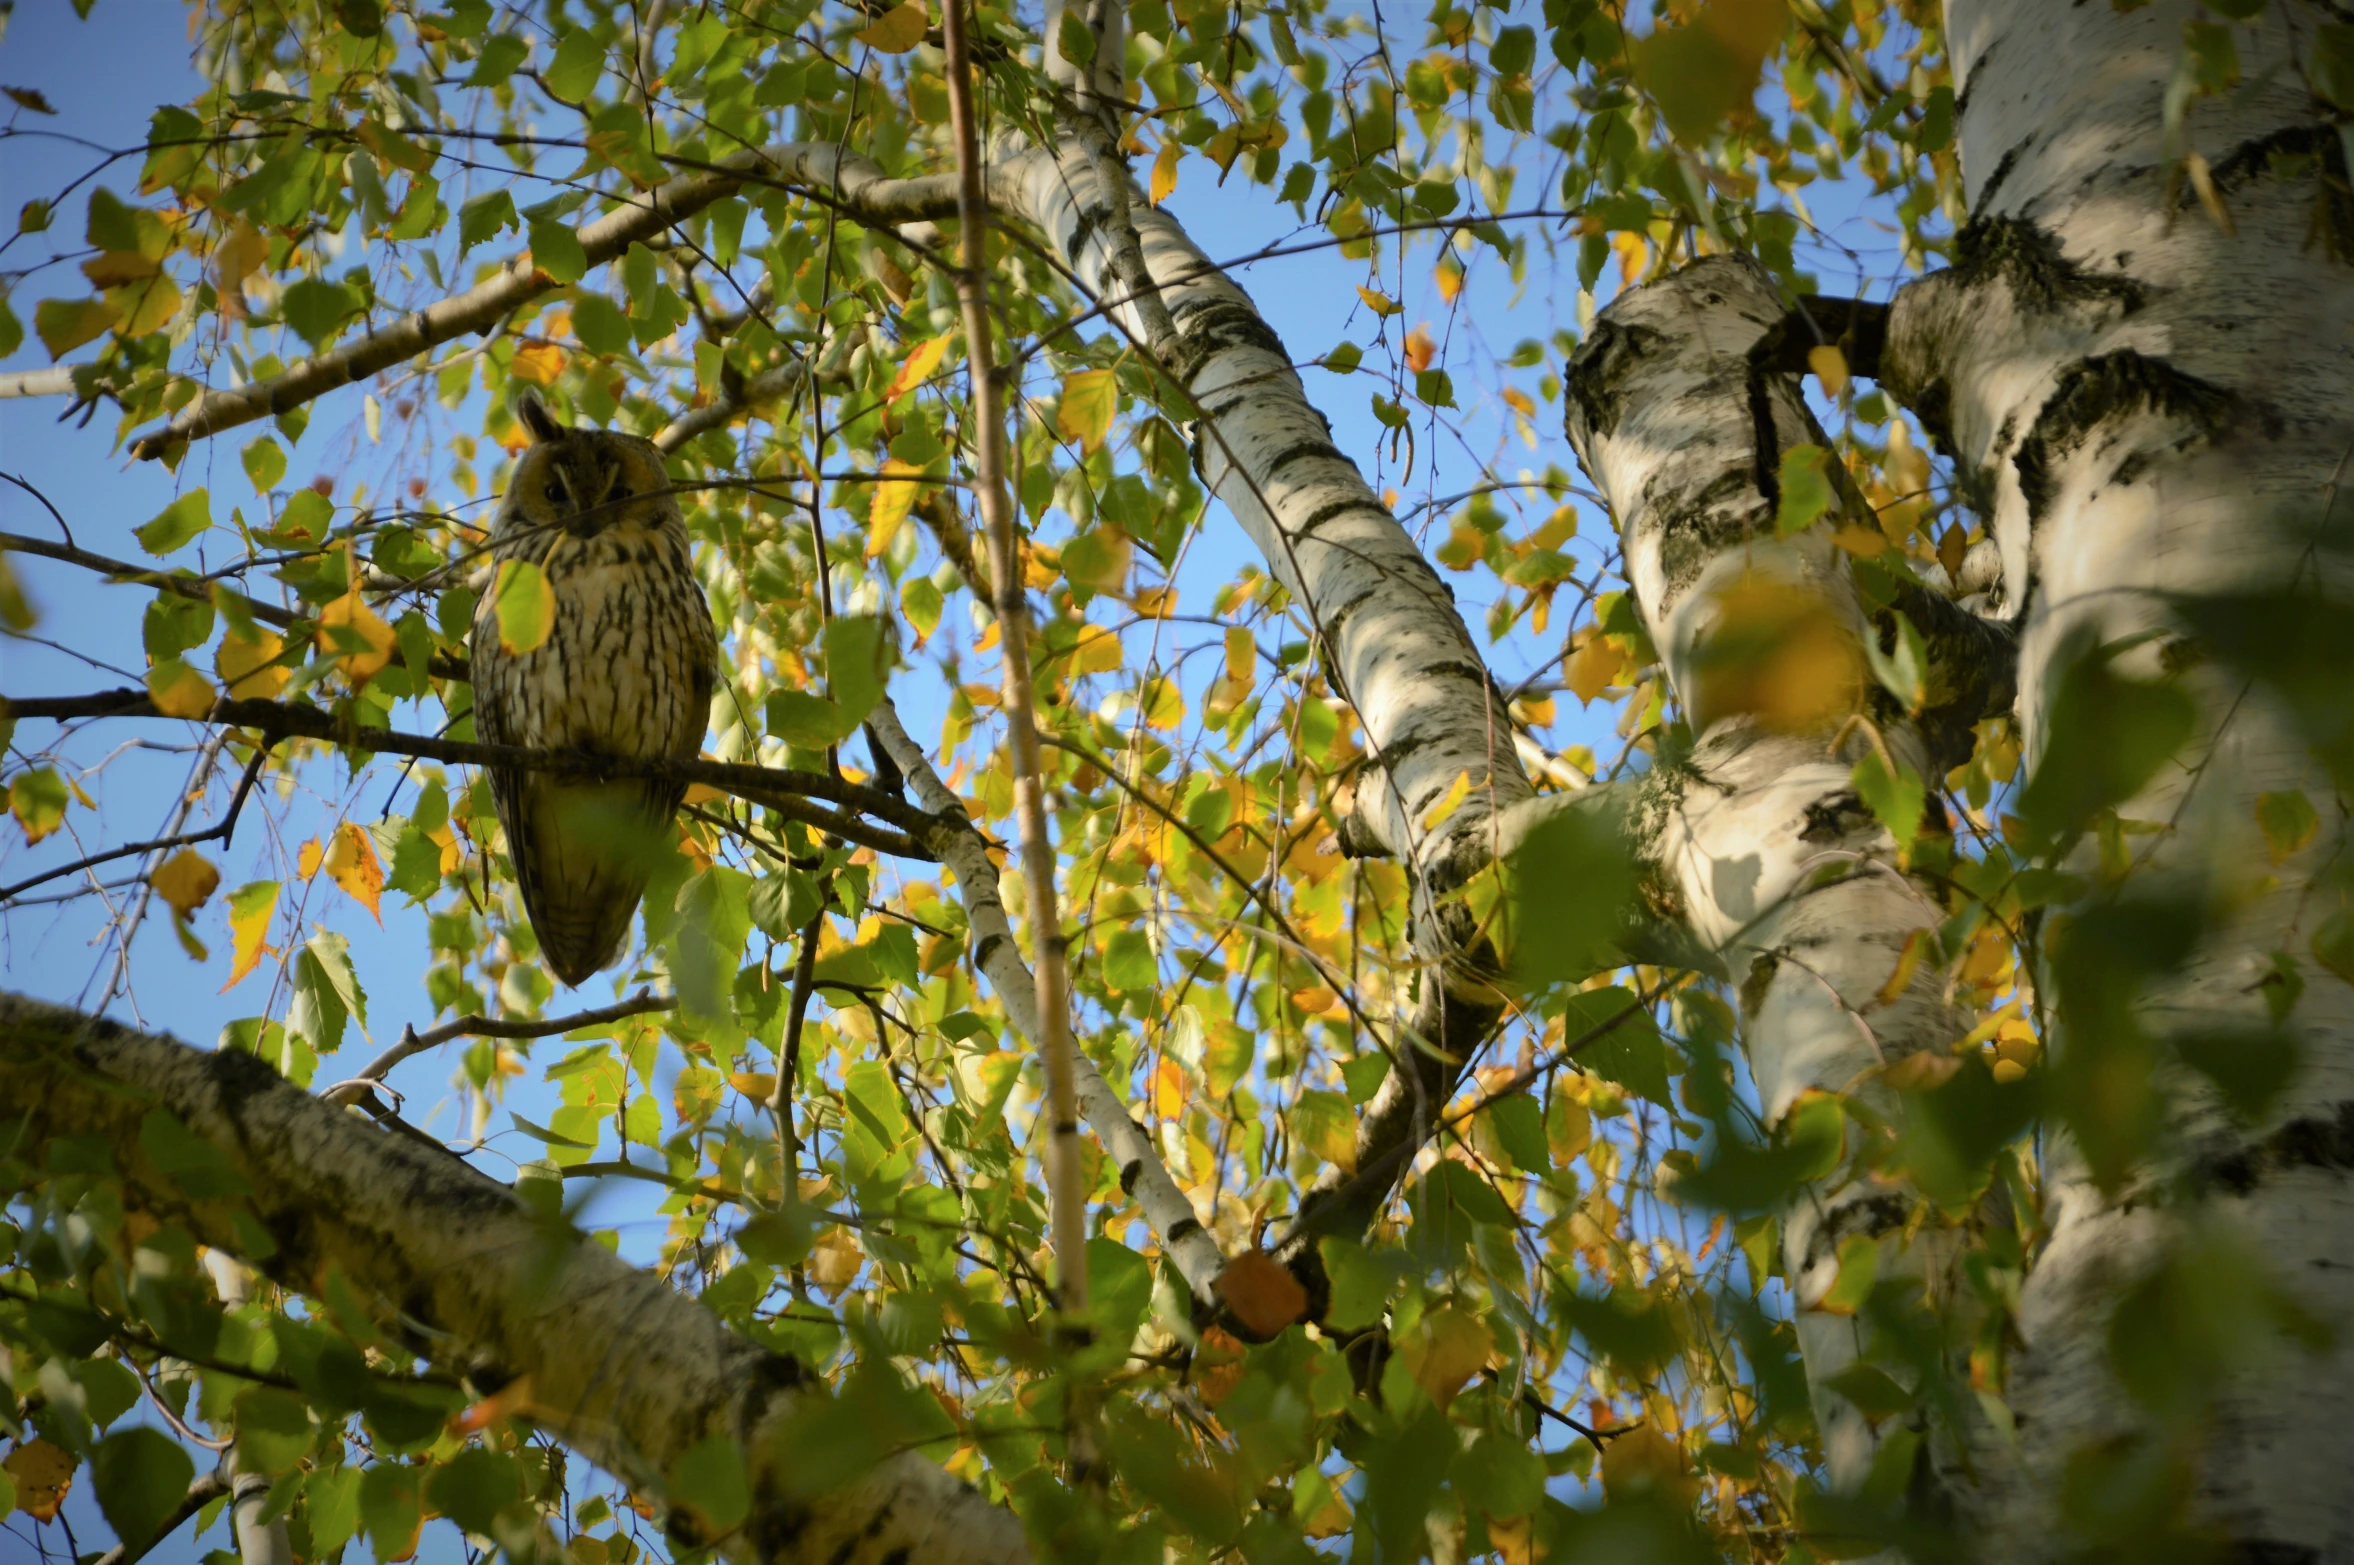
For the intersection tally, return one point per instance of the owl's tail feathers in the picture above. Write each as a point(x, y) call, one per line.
point(588, 851)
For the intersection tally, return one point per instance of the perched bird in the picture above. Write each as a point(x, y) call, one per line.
point(626, 671)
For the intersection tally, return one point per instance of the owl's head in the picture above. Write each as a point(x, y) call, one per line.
point(584, 480)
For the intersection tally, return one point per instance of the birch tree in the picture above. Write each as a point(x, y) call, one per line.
point(1895, 1106)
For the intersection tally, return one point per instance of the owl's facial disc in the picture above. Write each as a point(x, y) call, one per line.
point(588, 488)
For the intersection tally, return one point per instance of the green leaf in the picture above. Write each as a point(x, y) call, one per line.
point(265, 463)
point(140, 1475)
point(472, 1487)
point(317, 309)
point(1904, 672)
point(500, 58)
point(599, 324)
point(2108, 735)
point(1360, 1288)
point(1129, 964)
point(2250, 1069)
point(483, 217)
point(273, 1430)
point(176, 524)
point(1741, 1176)
point(709, 1479)
point(1805, 480)
point(326, 992)
point(1874, 1392)
point(807, 722)
point(1119, 1288)
point(1073, 39)
point(1622, 1041)
point(572, 75)
point(1452, 1191)
point(858, 658)
point(707, 946)
point(390, 1509)
point(1633, 1329)
point(331, 1498)
point(1572, 886)
point(1520, 1129)
point(555, 250)
point(2288, 821)
point(65, 324)
point(1899, 800)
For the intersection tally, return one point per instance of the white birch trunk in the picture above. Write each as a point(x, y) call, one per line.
point(1394, 645)
point(621, 1367)
point(1776, 864)
point(2148, 407)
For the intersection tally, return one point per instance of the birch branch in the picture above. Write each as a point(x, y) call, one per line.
point(818, 169)
point(623, 1369)
point(786, 791)
point(1067, 1205)
point(1167, 1210)
point(413, 1042)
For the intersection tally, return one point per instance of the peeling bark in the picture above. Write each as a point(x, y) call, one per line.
point(621, 1367)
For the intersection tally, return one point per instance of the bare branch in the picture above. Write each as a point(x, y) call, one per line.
point(413, 1042)
point(785, 791)
point(222, 830)
point(841, 178)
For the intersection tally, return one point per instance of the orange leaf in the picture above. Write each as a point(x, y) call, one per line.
point(250, 908)
point(1263, 1296)
point(353, 864)
point(1420, 349)
point(917, 367)
point(1164, 171)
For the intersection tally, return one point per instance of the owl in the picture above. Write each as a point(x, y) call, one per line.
point(627, 671)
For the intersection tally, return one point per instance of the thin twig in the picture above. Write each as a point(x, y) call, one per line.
point(413, 1042)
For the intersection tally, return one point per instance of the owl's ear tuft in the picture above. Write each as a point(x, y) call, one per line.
point(537, 419)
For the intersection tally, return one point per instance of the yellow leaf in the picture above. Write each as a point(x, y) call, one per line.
point(1444, 1350)
point(40, 1473)
point(1908, 962)
point(250, 908)
point(897, 30)
point(1862, 542)
point(307, 862)
point(1164, 171)
point(1642, 1458)
point(145, 305)
point(917, 367)
point(356, 636)
point(526, 607)
point(1449, 277)
point(1779, 652)
point(352, 863)
point(1156, 602)
point(1592, 667)
point(1242, 654)
point(65, 325)
point(184, 880)
point(756, 1085)
point(1096, 652)
point(1380, 304)
point(539, 363)
point(1519, 402)
point(834, 1261)
point(235, 259)
point(178, 690)
point(249, 666)
point(1090, 398)
point(1168, 1088)
point(1829, 366)
point(113, 268)
point(1448, 803)
point(892, 499)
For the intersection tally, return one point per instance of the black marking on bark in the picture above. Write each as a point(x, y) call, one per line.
point(2028, 258)
point(1871, 1216)
point(1834, 816)
point(1334, 509)
point(2269, 1551)
point(1128, 1175)
point(1757, 981)
point(981, 951)
point(2093, 391)
point(1765, 444)
point(899, 1556)
point(1858, 328)
point(2308, 1142)
point(1090, 219)
point(1184, 1228)
point(1397, 750)
point(1302, 451)
point(1600, 368)
point(2286, 154)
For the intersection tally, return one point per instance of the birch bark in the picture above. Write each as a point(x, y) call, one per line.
point(2154, 410)
point(621, 1367)
point(1771, 857)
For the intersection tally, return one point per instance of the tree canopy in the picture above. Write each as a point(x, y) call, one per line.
point(1425, 1198)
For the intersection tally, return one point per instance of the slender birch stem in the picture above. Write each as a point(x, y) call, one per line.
point(1066, 1201)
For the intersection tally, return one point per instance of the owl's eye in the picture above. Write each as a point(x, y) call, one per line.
point(558, 491)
